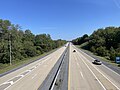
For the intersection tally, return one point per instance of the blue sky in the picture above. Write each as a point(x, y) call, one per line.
point(65, 19)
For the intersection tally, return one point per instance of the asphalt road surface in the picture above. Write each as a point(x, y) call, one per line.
point(31, 76)
point(84, 75)
point(75, 72)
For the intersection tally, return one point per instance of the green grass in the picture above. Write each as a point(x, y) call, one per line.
point(7, 67)
point(103, 58)
point(83, 45)
point(109, 61)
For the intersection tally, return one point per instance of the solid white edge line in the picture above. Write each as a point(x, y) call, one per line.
point(55, 80)
point(103, 64)
point(102, 74)
point(23, 72)
point(94, 75)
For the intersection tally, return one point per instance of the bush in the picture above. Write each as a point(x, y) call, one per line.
point(112, 56)
point(93, 49)
point(101, 51)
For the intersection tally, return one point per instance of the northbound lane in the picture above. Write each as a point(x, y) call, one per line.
point(80, 74)
point(83, 75)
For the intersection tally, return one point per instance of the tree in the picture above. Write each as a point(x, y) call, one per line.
point(24, 44)
point(81, 40)
point(104, 42)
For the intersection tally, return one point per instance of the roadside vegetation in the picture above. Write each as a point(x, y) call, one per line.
point(24, 44)
point(102, 42)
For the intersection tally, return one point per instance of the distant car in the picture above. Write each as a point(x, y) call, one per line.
point(74, 50)
point(97, 62)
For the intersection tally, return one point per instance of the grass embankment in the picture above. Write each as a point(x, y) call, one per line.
point(7, 67)
point(102, 58)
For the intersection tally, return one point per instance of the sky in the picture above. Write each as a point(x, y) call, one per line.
point(62, 19)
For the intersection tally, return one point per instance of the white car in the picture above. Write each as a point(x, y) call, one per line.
point(97, 62)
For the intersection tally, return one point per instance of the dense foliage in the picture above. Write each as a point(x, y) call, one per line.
point(81, 40)
point(103, 42)
point(24, 44)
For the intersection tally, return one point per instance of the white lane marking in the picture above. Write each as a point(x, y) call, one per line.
point(79, 67)
point(77, 64)
point(46, 59)
point(21, 75)
point(33, 67)
point(41, 62)
point(94, 75)
point(101, 73)
point(24, 71)
point(82, 75)
point(55, 80)
point(7, 87)
point(11, 82)
point(111, 70)
point(5, 83)
point(103, 65)
point(76, 61)
point(34, 76)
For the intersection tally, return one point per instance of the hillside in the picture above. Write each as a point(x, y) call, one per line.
point(103, 42)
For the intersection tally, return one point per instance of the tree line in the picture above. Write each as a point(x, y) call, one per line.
point(24, 44)
point(103, 42)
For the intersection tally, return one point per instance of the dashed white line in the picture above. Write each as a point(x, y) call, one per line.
point(34, 76)
point(94, 75)
point(28, 71)
point(82, 75)
point(77, 64)
point(5, 83)
point(21, 75)
point(101, 73)
point(103, 65)
point(80, 71)
point(11, 82)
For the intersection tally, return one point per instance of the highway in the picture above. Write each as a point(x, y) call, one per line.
point(84, 75)
point(31, 76)
point(62, 70)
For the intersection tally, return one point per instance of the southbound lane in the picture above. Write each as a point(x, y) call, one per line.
point(77, 73)
point(31, 76)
